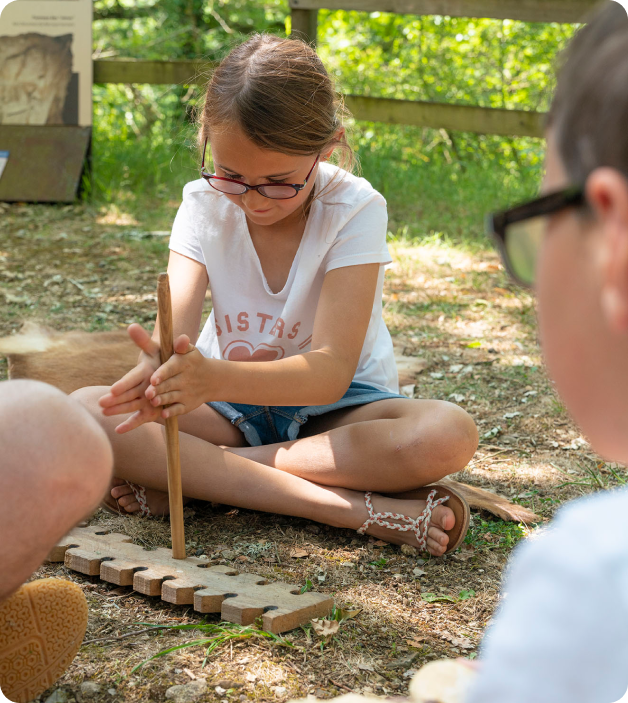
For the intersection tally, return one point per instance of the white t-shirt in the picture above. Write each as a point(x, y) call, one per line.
point(346, 226)
point(561, 635)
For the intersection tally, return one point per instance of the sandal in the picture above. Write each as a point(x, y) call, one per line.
point(435, 494)
point(42, 626)
point(140, 495)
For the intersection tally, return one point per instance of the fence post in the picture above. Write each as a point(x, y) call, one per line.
point(304, 24)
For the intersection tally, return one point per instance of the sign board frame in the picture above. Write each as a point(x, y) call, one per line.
point(46, 79)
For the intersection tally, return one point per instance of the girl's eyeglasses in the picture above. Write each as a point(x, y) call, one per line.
point(274, 191)
point(519, 231)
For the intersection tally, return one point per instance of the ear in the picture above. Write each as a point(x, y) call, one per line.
point(607, 193)
point(338, 137)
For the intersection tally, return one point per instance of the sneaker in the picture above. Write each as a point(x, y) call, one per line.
point(42, 626)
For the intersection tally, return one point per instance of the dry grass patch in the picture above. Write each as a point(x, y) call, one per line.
point(70, 267)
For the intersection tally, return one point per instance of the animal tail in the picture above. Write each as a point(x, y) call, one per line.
point(485, 500)
point(32, 338)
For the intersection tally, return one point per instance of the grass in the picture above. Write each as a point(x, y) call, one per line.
point(435, 200)
point(484, 351)
point(495, 534)
point(216, 635)
point(93, 266)
point(596, 475)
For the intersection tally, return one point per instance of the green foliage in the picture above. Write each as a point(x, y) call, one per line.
point(596, 475)
point(438, 184)
point(181, 29)
point(435, 598)
point(307, 586)
point(485, 62)
point(217, 634)
point(494, 534)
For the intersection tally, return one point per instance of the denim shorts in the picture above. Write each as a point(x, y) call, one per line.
point(261, 424)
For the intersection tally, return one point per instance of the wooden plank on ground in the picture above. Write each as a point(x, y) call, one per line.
point(524, 10)
point(467, 118)
point(239, 598)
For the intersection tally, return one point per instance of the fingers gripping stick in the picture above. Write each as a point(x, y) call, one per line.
point(172, 424)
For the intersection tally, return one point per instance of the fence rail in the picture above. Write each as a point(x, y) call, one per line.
point(468, 118)
point(156, 72)
point(524, 10)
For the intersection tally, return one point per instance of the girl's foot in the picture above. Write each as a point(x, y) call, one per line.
point(122, 499)
point(447, 525)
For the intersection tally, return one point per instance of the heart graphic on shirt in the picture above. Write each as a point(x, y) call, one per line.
point(241, 350)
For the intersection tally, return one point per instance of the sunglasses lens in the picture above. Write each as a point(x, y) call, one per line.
point(226, 187)
point(278, 192)
point(523, 245)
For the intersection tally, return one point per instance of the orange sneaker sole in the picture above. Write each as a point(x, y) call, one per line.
point(42, 626)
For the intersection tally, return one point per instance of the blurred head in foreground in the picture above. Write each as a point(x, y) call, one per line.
point(572, 243)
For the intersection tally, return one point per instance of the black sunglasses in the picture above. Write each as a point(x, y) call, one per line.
point(274, 191)
point(519, 232)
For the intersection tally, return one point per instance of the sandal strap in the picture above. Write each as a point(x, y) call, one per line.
point(419, 525)
point(140, 496)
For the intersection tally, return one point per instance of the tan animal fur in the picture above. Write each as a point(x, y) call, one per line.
point(71, 360)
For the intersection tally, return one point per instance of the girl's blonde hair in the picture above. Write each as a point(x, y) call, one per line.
point(281, 96)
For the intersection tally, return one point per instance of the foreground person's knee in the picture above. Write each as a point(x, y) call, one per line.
point(49, 433)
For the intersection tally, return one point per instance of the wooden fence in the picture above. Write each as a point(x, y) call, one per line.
point(304, 13)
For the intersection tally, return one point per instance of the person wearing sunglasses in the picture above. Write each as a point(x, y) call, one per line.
point(561, 636)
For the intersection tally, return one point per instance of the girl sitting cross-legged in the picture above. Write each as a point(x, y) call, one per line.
point(293, 250)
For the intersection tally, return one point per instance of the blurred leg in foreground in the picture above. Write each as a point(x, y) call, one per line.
point(55, 468)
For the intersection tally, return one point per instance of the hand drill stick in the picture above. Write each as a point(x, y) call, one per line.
point(175, 493)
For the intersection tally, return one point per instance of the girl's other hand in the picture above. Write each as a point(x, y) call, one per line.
point(128, 394)
point(181, 383)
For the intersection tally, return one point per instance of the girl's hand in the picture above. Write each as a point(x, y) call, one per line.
point(181, 383)
point(128, 394)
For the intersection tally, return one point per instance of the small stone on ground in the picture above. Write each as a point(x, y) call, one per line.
point(89, 690)
point(187, 693)
point(58, 696)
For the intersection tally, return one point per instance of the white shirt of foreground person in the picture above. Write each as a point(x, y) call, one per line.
point(561, 635)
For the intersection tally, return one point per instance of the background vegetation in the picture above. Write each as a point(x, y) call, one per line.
point(439, 184)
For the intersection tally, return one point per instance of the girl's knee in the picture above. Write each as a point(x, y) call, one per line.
point(443, 441)
point(54, 436)
point(456, 436)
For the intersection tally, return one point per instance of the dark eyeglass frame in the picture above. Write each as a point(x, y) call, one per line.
point(298, 187)
point(497, 224)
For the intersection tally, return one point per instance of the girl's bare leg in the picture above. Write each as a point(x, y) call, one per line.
point(212, 473)
point(55, 467)
point(389, 446)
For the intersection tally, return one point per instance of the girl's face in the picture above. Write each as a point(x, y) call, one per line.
point(236, 156)
point(582, 286)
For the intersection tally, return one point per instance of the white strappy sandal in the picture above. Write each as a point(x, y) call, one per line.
point(140, 496)
point(435, 494)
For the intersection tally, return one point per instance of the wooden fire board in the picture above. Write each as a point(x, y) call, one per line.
point(239, 598)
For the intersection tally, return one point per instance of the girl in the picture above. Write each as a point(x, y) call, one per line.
point(293, 250)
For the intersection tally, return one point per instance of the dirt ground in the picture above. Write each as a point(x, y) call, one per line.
point(77, 268)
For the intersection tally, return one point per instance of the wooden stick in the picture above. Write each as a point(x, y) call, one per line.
point(175, 492)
